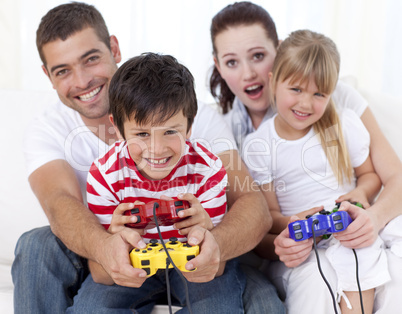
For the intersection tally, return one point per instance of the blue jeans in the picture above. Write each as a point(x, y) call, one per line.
point(47, 276)
point(221, 295)
point(45, 273)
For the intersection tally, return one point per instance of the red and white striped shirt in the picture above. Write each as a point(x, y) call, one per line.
point(114, 179)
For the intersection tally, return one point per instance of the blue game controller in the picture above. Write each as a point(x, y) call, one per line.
point(324, 223)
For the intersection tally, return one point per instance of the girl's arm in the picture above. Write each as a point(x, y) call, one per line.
point(285, 248)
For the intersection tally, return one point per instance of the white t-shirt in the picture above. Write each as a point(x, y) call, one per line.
point(60, 133)
point(302, 176)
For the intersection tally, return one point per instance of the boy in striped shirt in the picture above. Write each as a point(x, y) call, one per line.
point(152, 106)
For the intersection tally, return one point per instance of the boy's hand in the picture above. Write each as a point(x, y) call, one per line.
point(292, 253)
point(119, 219)
point(197, 215)
point(362, 232)
point(208, 261)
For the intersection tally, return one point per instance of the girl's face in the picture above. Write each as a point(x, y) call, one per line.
point(299, 106)
point(244, 57)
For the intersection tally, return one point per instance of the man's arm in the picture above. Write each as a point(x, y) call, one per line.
point(248, 218)
point(57, 189)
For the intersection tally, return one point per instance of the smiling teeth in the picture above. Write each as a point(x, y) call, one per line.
point(301, 114)
point(90, 95)
point(252, 87)
point(158, 161)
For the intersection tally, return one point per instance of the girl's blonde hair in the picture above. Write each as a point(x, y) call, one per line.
point(305, 55)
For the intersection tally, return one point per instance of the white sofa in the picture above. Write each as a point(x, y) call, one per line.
point(19, 207)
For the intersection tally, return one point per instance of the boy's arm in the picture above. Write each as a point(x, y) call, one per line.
point(57, 189)
point(248, 211)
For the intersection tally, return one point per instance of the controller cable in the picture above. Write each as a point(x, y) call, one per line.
point(315, 222)
point(168, 262)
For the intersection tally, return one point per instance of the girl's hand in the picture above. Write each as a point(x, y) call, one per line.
point(291, 252)
point(196, 215)
point(362, 232)
point(119, 220)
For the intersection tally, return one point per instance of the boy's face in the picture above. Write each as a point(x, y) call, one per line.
point(80, 69)
point(156, 149)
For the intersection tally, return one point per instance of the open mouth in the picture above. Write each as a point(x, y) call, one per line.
point(253, 90)
point(91, 95)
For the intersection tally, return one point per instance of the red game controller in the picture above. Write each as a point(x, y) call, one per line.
point(166, 213)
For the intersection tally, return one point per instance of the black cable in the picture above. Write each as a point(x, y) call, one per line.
point(156, 205)
point(358, 281)
point(315, 222)
point(169, 298)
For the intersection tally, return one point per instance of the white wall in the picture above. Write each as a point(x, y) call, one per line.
point(366, 32)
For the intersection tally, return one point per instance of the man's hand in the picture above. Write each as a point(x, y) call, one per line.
point(363, 230)
point(290, 252)
point(208, 261)
point(114, 258)
point(196, 214)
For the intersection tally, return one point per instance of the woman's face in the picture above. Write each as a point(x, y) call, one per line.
point(244, 57)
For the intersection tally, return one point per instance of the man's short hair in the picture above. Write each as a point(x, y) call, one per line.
point(67, 19)
point(152, 88)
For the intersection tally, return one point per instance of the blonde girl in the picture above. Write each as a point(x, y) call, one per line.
point(287, 157)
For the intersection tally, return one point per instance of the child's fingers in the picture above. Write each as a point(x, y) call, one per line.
point(187, 212)
point(122, 207)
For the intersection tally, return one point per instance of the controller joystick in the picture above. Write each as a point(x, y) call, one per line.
point(154, 256)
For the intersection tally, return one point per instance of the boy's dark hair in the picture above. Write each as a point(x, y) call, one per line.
point(65, 20)
point(152, 88)
point(236, 14)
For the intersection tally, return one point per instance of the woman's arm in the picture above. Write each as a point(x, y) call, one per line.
point(389, 168)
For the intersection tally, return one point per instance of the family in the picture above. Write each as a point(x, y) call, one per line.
point(121, 136)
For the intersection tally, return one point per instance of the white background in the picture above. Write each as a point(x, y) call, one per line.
point(368, 34)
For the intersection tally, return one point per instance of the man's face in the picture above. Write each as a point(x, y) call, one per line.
point(80, 69)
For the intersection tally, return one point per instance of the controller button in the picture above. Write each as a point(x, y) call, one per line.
point(148, 270)
point(296, 227)
point(336, 217)
point(144, 251)
point(190, 257)
point(136, 250)
point(187, 245)
point(178, 209)
point(145, 262)
point(138, 219)
point(324, 212)
point(308, 216)
point(149, 249)
point(298, 236)
point(173, 240)
point(178, 203)
point(135, 210)
point(339, 226)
